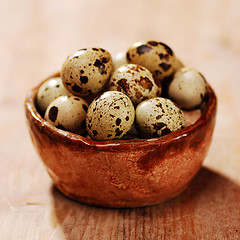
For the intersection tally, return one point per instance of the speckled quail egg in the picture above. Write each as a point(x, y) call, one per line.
point(136, 82)
point(155, 56)
point(87, 71)
point(158, 116)
point(119, 60)
point(167, 80)
point(178, 64)
point(48, 91)
point(188, 88)
point(68, 113)
point(110, 116)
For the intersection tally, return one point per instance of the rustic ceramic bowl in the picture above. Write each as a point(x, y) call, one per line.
point(122, 173)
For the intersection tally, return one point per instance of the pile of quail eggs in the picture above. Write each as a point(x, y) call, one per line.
point(142, 90)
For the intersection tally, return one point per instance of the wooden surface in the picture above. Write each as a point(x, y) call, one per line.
point(36, 36)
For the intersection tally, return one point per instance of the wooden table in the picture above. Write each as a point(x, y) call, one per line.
point(36, 37)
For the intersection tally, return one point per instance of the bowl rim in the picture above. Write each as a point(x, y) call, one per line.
point(206, 114)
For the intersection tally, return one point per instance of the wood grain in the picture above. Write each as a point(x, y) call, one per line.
point(196, 214)
point(36, 37)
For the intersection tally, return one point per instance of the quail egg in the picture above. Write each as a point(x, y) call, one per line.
point(178, 64)
point(158, 116)
point(136, 82)
point(87, 71)
point(155, 56)
point(188, 88)
point(48, 91)
point(119, 60)
point(110, 116)
point(68, 113)
point(167, 80)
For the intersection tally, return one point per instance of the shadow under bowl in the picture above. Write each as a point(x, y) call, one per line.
point(122, 173)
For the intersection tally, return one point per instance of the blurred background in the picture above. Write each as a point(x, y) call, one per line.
point(37, 36)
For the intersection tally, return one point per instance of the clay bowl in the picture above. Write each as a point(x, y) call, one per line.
point(122, 173)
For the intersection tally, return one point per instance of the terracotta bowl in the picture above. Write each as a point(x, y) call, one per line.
point(122, 173)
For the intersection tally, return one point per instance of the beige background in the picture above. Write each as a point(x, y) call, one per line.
point(36, 37)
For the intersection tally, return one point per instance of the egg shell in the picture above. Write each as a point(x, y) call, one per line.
point(155, 56)
point(178, 64)
point(188, 88)
point(110, 116)
point(167, 80)
point(136, 82)
point(119, 60)
point(87, 71)
point(68, 113)
point(48, 91)
point(158, 116)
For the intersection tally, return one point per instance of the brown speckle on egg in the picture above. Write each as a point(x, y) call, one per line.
point(163, 56)
point(153, 43)
point(53, 113)
point(161, 126)
point(165, 66)
point(76, 88)
point(145, 83)
point(122, 83)
point(118, 133)
point(95, 133)
point(143, 49)
point(84, 79)
point(118, 121)
point(100, 65)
